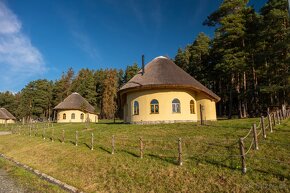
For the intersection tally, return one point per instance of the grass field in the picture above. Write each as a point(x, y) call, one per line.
point(28, 181)
point(210, 157)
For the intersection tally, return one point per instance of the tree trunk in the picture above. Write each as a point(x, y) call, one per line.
point(231, 97)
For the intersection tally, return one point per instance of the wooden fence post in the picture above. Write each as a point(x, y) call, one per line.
point(201, 114)
point(62, 136)
point(141, 148)
point(270, 123)
point(274, 119)
point(113, 144)
point(52, 134)
point(43, 133)
point(179, 152)
point(77, 138)
point(255, 137)
point(263, 127)
point(243, 156)
point(92, 142)
point(278, 117)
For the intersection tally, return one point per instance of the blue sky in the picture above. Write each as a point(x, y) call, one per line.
point(43, 38)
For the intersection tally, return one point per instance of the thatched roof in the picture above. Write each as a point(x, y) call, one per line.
point(162, 72)
point(5, 114)
point(75, 102)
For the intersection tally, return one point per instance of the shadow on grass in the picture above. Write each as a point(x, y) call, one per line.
point(130, 153)
point(104, 149)
point(171, 160)
point(87, 145)
point(280, 176)
point(72, 142)
point(219, 163)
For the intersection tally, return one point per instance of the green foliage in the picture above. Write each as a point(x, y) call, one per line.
point(109, 95)
point(84, 84)
point(247, 61)
point(35, 101)
point(130, 72)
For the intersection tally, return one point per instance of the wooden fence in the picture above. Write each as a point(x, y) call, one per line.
point(178, 150)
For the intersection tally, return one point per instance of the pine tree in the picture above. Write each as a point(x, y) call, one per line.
point(85, 85)
point(109, 95)
point(198, 59)
point(130, 72)
point(230, 34)
point(62, 87)
point(275, 36)
point(182, 58)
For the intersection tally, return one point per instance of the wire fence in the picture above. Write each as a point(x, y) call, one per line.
point(176, 150)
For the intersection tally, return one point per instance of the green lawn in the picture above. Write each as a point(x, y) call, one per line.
point(26, 180)
point(210, 161)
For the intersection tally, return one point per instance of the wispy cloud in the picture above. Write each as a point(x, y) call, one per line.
point(80, 36)
point(19, 59)
point(84, 42)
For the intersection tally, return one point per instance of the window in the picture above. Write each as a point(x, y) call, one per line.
point(82, 116)
point(192, 109)
point(136, 108)
point(154, 105)
point(176, 106)
point(73, 116)
point(64, 116)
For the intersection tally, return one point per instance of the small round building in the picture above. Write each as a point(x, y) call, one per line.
point(75, 109)
point(164, 93)
point(6, 116)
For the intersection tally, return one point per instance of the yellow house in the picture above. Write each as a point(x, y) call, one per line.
point(163, 93)
point(75, 109)
point(6, 116)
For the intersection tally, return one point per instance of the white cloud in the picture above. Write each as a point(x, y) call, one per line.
point(18, 57)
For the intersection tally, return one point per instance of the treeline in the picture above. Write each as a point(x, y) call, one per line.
point(39, 97)
point(247, 61)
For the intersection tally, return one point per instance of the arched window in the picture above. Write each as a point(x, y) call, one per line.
point(176, 106)
point(136, 108)
point(154, 106)
point(64, 116)
point(73, 116)
point(192, 109)
point(82, 116)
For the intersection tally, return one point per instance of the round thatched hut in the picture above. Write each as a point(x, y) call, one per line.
point(6, 116)
point(75, 109)
point(163, 93)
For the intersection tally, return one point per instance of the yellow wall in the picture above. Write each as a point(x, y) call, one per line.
point(165, 115)
point(92, 117)
point(2, 121)
point(209, 108)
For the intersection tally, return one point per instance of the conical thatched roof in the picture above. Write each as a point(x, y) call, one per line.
point(5, 114)
point(75, 102)
point(164, 73)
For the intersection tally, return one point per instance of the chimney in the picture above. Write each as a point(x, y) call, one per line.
point(143, 67)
